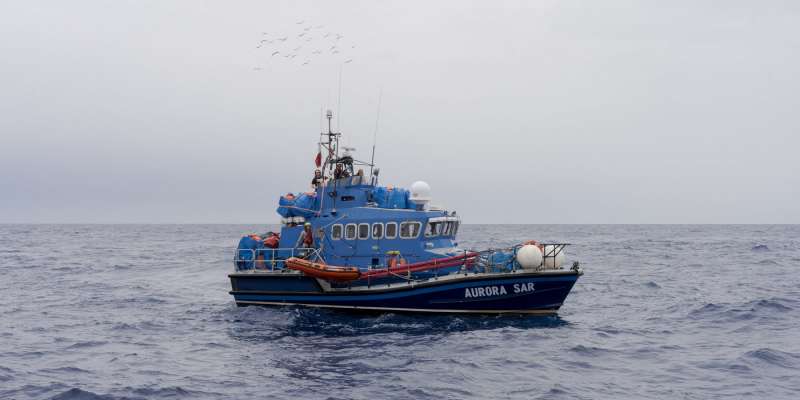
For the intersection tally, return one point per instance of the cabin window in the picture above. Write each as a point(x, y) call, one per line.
point(415, 228)
point(391, 230)
point(433, 229)
point(377, 230)
point(448, 228)
point(348, 198)
point(336, 232)
point(409, 229)
point(350, 231)
point(456, 224)
point(363, 231)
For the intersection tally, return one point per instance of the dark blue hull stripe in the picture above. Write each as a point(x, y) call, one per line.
point(511, 294)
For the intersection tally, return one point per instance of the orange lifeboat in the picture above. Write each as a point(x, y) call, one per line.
point(323, 271)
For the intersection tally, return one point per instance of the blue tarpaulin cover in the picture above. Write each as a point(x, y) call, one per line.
point(246, 252)
point(398, 198)
point(380, 195)
point(300, 206)
point(390, 198)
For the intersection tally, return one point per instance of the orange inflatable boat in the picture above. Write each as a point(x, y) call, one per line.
point(323, 271)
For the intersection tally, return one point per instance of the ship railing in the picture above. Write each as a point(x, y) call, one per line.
point(271, 259)
point(500, 260)
point(505, 259)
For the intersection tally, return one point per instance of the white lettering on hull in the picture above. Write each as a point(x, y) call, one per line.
point(485, 291)
point(523, 287)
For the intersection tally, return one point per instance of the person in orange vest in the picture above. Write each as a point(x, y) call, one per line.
point(306, 238)
point(305, 241)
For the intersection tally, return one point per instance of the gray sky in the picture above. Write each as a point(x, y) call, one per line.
point(520, 112)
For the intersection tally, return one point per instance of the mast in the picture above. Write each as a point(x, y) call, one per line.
point(375, 135)
point(332, 150)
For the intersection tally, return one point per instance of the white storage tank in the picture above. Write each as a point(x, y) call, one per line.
point(529, 257)
point(554, 262)
point(420, 194)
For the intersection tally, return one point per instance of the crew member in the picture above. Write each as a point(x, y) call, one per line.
point(318, 179)
point(340, 172)
point(306, 238)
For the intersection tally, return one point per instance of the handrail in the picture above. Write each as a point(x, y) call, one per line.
point(471, 260)
point(487, 256)
point(307, 252)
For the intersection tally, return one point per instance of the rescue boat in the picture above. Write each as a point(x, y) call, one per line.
point(322, 271)
point(354, 244)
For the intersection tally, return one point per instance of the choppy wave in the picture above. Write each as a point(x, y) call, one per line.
point(763, 308)
point(774, 357)
point(88, 343)
point(652, 285)
point(78, 394)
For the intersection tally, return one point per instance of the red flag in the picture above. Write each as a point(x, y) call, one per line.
point(318, 159)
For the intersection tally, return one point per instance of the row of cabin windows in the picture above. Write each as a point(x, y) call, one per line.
point(408, 230)
point(441, 228)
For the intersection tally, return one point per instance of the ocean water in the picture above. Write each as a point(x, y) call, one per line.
point(142, 312)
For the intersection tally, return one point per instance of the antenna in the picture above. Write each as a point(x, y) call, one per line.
point(375, 134)
point(339, 105)
point(333, 154)
point(320, 118)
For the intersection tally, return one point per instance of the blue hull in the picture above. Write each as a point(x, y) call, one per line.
point(521, 292)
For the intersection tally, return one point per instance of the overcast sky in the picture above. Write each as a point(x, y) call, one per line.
point(514, 112)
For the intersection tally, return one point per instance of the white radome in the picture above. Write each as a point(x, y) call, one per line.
point(529, 256)
point(420, 193)
point(554, 262)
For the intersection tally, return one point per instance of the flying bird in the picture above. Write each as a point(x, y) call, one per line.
point(300, 22)
point(297, 48)
point(338, 36)
point(301, 35)
point(326, 35)
point(348, 61)
point(274, 53)
point(306, 63)
point(283, 39)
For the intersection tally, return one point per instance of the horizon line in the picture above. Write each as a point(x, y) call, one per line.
point(463, 223)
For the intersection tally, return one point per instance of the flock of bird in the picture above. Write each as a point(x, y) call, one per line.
point(307, 44)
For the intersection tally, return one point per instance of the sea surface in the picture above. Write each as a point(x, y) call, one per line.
point(142, 312)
